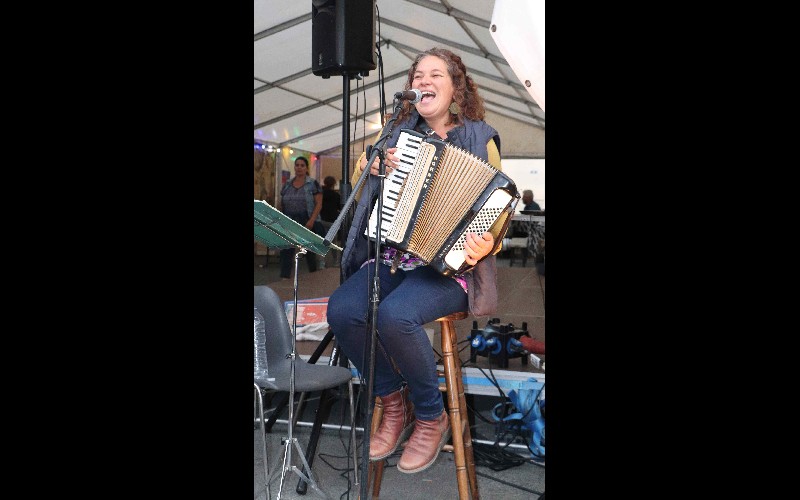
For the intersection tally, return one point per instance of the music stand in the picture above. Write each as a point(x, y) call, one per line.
point(274, 229)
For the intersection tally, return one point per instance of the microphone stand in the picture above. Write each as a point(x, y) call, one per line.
point(376, 150)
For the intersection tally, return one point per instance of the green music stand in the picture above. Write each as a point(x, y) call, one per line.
point(276, 230)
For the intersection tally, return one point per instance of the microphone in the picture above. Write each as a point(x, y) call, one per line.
point(413, 95)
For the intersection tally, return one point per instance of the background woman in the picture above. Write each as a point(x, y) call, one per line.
point(301, 200)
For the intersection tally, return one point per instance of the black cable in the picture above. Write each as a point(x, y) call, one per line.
point(381, 77)
point(467, 343)
point(348, 450)
point(516, 428)
point(491, 378)
point(535, 401)
point(507, 483)
point(495, 457)
point(464, 365)
point(363, 120)
point(537, 457)
point(344, 472)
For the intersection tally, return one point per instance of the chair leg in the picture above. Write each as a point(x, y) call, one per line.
point(260, 404)
point(353, 446)
point(281, 400)
point(326, 400)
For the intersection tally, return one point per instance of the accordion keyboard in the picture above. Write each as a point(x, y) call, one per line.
point(408, 147)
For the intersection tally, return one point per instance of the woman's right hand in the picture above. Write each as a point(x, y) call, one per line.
point(391, 163)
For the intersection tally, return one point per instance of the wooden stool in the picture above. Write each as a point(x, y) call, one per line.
point(457, 409)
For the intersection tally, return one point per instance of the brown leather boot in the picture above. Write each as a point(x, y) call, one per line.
point(425, 444)
point(396, 425)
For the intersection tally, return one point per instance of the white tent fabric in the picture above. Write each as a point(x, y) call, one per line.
point(295, 108)
point(518, 30)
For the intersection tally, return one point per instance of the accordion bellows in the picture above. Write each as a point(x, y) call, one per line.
point(436, 196)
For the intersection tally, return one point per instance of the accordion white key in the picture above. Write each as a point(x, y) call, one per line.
point(438, 194)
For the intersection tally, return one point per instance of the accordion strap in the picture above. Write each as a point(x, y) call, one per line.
point(423, 128)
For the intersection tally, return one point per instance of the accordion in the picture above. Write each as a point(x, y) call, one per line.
point(436, 196)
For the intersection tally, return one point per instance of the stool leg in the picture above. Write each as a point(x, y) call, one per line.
point(468, 449)
point(376, 468)
point(450, 377)
point(469, 456)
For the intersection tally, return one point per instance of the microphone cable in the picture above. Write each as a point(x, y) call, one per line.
point(381, 76)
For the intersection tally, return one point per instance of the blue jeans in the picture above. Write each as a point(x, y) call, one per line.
point(407, 301)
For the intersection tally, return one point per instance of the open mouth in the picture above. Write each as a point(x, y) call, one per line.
point(428, 95)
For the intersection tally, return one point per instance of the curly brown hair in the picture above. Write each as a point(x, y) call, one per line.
point(465, 90)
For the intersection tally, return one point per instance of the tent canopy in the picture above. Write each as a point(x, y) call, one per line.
point(295, 108)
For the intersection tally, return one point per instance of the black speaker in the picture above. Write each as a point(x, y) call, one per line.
point(342, 37)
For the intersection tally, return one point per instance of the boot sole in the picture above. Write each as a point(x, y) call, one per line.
point(445, 437)
point(404, 435)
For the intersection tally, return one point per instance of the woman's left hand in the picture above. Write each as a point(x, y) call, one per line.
point(310, 225)
point(477, 247)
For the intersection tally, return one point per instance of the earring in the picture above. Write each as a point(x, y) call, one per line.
point(454, 108)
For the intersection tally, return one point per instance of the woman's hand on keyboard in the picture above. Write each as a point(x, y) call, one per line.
point(391, 162)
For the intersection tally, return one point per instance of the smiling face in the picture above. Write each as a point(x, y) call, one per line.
point(432, 78)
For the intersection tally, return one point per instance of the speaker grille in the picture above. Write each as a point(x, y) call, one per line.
point(342, 37)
